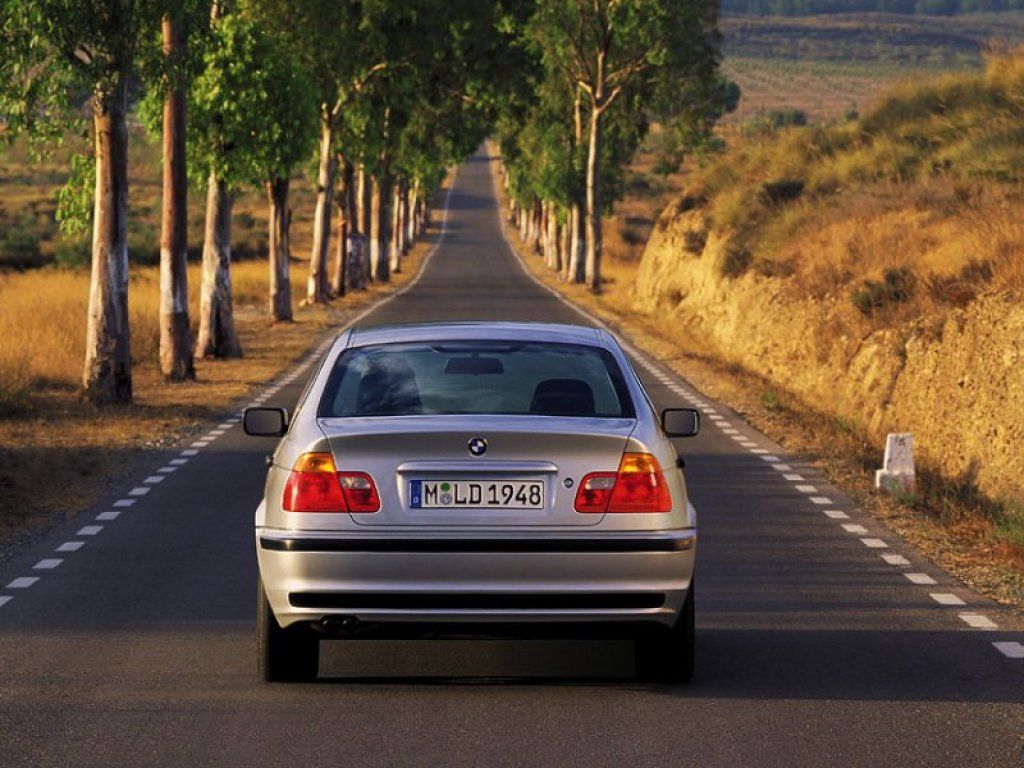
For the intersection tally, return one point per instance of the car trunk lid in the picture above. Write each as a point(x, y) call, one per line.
point(412, 458)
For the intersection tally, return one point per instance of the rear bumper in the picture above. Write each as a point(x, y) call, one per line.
point(477, 579)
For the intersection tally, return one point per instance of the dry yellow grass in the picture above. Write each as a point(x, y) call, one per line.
point(95, 448)
point(42, 315)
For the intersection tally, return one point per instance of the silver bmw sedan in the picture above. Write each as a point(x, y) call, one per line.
point(457, 479)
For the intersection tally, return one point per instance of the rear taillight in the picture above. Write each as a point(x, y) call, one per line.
point(638, 486)
point(595, 492)
point(360, 492)
point(315, 485)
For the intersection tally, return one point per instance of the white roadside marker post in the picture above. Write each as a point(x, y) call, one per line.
point(897, 473)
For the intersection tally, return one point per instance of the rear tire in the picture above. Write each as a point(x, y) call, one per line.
point(666, 655)
point(289, 655)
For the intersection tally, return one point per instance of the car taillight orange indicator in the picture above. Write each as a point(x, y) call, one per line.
point(315, 485)
point(638, 486)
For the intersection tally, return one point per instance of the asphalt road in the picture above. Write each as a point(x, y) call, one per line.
point(137, 647)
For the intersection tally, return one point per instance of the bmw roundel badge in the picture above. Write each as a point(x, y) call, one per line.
point(477, 446)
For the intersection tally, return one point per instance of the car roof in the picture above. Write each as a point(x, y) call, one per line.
point(479, 331)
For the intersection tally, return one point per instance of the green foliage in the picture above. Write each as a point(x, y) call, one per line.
point(660, 59)
point(75, 198)
point(771, 401)
point(252, 108)
point(54, 52)
point(1008, 517)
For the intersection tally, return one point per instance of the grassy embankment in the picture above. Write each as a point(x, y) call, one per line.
point(828, 65)
point(57, 453)
point(795, 254)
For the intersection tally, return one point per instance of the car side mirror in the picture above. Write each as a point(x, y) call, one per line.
point(265, 422)
point(681, 422)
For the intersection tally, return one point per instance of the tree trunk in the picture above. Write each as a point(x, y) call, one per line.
point(556, 260)
point(563, 249)
point(362, 222)
point(411, 224)
point(395, 246)
point(107, 374)
point(217, 337)
point(592, 275)
point(344, 204)
point(577, 243)
point(535, 228)
point(176, 361)
point(378, 229)
point(363, 219)
point(542, 228)
point(317, 287)
point(280, 220)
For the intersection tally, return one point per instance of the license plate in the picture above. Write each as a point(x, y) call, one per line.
point(476, 494)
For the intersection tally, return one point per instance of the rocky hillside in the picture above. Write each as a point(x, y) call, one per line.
point(873, 269)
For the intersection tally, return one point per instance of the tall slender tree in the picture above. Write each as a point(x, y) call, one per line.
point(176, 360)
point(619, 53)
point(51, 50)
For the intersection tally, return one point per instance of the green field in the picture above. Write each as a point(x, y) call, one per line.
point(827, 65)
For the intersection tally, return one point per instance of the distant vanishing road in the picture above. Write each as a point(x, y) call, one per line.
point(818, 644)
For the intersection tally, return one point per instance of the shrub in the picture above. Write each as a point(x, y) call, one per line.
point(694, 240)
point(244, 220)
point(735, 261)
point(19, 245)
point(782, 191)
point(896, 286)
point(143, 247)
point(960, 290)
point(72, 253)
point(772, 268)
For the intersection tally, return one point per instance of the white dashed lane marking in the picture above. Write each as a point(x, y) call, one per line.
point(777, 465)
point(806, 488)
point(874, 543)
point(854, 528)
point(836, 514)
point(140, 491)
point(47, 564)
point(154, 479)
point(978, 621)
point(823, 500)
point(107, 516)
point(167, 470)
point(178, 462)
point(794, 478)
point(895, 559)
point(190, 452)
point(945, 598)
point(22, 582)
point(1012, 650)
point(920, 578)
point(89, 530)
point(70, 546)
point(124, 503)
point(4, 599)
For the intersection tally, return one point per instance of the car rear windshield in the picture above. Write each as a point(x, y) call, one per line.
point(492, 377)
